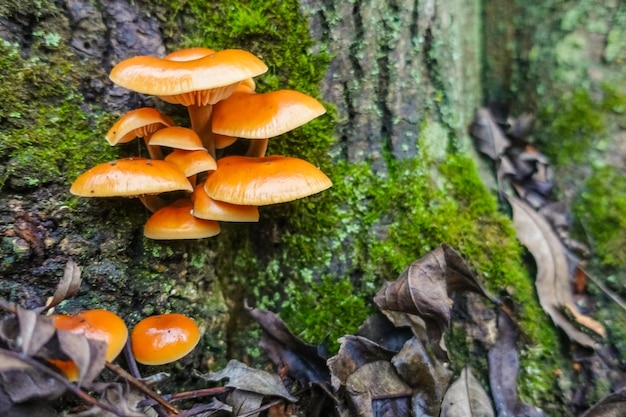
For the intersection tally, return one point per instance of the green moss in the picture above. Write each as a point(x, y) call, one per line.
point(601, 210)
point(45, 122)
point(571, 126)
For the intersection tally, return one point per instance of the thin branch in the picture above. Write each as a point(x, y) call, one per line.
point(142, 387)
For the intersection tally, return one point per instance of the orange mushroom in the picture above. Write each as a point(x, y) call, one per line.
point(197, 83)
point(204, 207)
point(140, 123)
point(165, 338)
point(95, 324)
point(175, 221)
point(246, 114)
point(132, 177)
point(177, 137)
point(264, 180)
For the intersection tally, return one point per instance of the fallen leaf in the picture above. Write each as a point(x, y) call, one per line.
point(613, 405)
point(553, 275)
point(89, 355)
point(466, 398)
point(67, 287)
point(490, 138)
point(35, 331)
point(303, 361)
point(242, 377)
point(376, 385)
point(422, 289)
point(503, 371)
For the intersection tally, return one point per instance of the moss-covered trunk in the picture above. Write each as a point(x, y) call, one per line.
point(401, 81)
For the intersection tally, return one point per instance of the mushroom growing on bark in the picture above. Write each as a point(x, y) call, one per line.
point(197, 83)
point(131, 177)
point(140, 123)
point(265, 180)
point(250, 115)
point(165, 338)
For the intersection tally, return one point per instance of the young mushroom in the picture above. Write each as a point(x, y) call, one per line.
point(139, 123)
point(165, 338)
point(258, 117)
point(266, 180)
point(176, 221)
point(95, 324)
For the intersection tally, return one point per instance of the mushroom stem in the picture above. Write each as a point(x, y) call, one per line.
point(257, 148)
point(200, 117)
point(153, 150)
point(152, 202)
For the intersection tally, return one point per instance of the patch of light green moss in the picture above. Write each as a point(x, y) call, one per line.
point(44, 122)
point(601, 212)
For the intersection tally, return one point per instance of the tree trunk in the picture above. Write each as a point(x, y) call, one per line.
point(402, 82)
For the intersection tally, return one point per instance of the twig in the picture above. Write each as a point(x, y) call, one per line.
point(263, 408)
point(188, 395)
point(616, 298)
point(142, 387)
point(70, 387)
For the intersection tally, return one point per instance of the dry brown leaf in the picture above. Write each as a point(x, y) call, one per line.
point(67, 287)
point(553, 276)
point(489, 136)
point(466, 398)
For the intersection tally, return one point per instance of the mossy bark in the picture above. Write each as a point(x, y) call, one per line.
point(401, 80)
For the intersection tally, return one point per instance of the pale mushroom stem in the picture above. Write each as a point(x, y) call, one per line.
point(153, 150)
point(152, 202)
point(257, 148)
point(200, 117)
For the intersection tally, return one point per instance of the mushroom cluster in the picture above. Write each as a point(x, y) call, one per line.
point(204, 187)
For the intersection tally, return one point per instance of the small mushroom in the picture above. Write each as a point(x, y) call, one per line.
point(264, 180)
point(177, 137)
point(95, 324)
point(250, 115)
point(140, 123)
point(204, 207)
point(165, 338)
point(175, 221)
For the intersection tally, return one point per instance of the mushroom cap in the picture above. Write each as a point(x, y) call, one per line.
point(175, 221)
point(189, 54)
point(192, 162)
point(204, 207)
point(250, 115)
point(96, 324)
point(265, 180)
point(165, 338)
point(223, 141)
point(130, 177)
point(137, 123)
point(215, 76)
point(177, 137)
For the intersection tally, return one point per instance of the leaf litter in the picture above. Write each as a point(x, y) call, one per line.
point(396, 364)
point(525, 181)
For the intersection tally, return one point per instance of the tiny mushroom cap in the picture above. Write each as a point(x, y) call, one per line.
point(200, 81)
point(250, 115)
point(137, 123)
point(192, 162)
point(177, 137)
point(96, 324)
point(204, 207)
point(165, 338)
point(264, 180)
point(189, 54)
point(175, 221)
point(130, 177)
